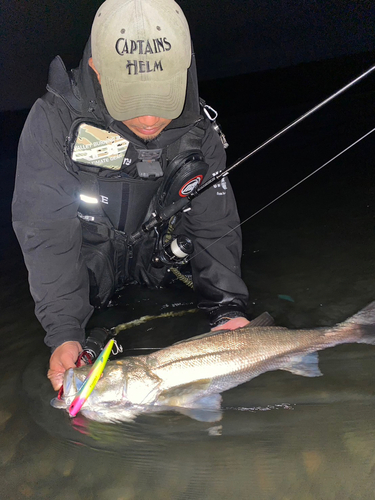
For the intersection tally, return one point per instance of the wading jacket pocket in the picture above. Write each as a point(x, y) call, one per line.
point(101, 255)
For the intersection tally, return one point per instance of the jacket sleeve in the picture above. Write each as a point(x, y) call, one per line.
point(213, 225)
point(45, 203)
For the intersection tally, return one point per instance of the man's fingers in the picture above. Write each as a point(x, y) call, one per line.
point(63, 358)
point(56, 378)
point(68, 360)
point(232, 324)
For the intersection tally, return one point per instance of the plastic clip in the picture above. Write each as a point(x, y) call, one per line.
point(212, 114)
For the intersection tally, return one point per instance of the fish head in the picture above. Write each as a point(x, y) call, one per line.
point(109, 388)
point(141, 385)
point(73, 381)
point(124, 383)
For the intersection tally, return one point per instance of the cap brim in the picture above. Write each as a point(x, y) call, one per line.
point(164, 99)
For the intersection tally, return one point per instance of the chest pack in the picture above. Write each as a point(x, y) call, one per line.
point(121, 185)
point(124, 182)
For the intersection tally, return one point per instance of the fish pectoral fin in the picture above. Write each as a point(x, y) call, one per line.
point(305, 365)
point(185, 392)
point(211, 402)
point(206, 409)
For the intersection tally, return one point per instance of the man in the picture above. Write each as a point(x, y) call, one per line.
point(105, 146)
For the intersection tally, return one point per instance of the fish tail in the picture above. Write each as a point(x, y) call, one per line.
point(362, 334)
point(367, 335)
point(365, 316)
point(359, 328)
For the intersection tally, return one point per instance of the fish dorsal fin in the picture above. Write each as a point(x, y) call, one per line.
point(264, 319)
point(305, 365)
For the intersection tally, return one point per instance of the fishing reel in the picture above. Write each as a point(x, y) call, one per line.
point(173, 252)
point(93, 346)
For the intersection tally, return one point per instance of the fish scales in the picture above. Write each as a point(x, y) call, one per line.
point(238, 356)
point(189, 376)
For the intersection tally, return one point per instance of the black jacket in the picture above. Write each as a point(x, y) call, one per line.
point(46, 201)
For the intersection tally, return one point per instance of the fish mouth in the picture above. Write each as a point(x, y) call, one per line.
point(63, 402)
point(60, 404)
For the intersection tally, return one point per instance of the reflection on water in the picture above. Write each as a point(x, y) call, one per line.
point(281, 436)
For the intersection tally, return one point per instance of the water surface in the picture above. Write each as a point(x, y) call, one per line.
point(309, 261)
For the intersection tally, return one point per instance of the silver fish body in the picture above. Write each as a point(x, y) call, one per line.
point(189, 376)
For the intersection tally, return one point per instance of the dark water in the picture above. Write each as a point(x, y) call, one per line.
point(309, 260)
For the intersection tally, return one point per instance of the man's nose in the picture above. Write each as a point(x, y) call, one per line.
point(148, 121)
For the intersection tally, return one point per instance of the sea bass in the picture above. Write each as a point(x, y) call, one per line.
point(190, 376)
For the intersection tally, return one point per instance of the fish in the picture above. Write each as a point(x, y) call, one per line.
point(190, 376)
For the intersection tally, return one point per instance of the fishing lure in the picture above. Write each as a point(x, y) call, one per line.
point(91, 380)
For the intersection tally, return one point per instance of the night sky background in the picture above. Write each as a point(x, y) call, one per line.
point(231, 37)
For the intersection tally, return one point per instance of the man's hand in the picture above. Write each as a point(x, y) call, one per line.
point(63, 358)
point(232, 324)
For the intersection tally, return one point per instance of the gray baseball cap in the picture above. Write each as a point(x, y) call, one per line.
point(142, 51)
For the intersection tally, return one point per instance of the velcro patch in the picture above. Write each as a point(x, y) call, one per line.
point(99, 148)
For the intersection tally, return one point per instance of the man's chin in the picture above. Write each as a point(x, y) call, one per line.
point(148, 138)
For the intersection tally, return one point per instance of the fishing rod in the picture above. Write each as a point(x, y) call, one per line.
point(285, 192)
point(164, 214)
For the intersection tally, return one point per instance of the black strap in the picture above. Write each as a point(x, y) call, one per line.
point(124, 207)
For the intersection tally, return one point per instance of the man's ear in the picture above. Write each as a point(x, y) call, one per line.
point(91, 64)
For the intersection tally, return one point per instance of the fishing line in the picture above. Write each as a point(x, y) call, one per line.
point(295, 122)
point(164, 214)
point(143, 319)
point(285, 192)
